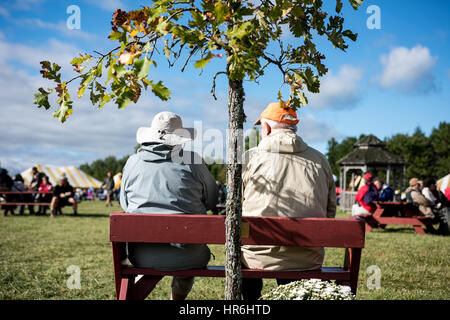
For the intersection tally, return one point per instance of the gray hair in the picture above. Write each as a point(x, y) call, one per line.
point(279, 125)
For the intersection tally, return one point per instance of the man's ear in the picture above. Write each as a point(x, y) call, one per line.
point(266, 128)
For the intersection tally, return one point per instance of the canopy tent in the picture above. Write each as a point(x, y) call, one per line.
point(444, 183)
point(357, 182)
point(76, 177)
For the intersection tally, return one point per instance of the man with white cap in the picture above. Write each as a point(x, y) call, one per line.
point(165, 179)
point(284, 177)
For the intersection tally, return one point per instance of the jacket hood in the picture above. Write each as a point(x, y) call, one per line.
point(157, 152)
point(283, 141)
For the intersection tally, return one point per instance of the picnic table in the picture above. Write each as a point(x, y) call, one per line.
point(7, 203)
point(395, 213)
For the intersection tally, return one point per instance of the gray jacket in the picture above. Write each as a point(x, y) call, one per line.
point(153, 182)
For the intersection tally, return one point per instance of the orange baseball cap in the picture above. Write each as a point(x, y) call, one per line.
point(279, 111)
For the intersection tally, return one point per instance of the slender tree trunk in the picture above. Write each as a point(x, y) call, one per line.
point(234, 191)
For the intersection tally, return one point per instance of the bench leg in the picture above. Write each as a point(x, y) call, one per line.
point(351, 263)
point(126, 288)
point(419, 229)
point(144, 287)
point(131, 290)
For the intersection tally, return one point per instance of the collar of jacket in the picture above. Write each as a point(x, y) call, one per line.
point(158, 152)
point(282, 141)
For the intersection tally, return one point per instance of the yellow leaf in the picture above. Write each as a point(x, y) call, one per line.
point(134, 32)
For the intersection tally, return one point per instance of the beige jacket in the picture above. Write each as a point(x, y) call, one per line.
point(423, 203)
point(286, 178)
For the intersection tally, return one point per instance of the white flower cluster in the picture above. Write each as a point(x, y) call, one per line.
point(310, 289)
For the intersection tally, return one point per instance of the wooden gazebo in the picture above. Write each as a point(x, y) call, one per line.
point(369, 155)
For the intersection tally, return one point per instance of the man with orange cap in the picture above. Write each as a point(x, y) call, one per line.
point(284, 177)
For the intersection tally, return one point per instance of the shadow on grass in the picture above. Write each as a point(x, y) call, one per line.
point(79, 215)
point(396, 230)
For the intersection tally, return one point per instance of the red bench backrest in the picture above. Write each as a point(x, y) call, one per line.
point(187, 228)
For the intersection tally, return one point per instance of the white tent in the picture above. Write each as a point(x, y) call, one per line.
point(357, 182)
point(76, 177)
point(444, 183)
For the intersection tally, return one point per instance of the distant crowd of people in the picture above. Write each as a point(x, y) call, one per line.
point(424, 195)
point(39, 183)
point(40, 192)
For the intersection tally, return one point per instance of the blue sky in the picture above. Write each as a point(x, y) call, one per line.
point(390, 81)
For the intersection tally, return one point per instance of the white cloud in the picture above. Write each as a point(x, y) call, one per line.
point(338, 91)
point(313, 130)
point(407, 70)
point(109, 5)
point(31, 135)
point(59, 27)
point(57, 51)
point(24, 4)
point(4, 13)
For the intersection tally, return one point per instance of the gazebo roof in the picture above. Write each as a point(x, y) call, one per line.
point(369, 140)
point(370, 151)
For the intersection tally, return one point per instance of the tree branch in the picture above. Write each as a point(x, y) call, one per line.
point(213, 89)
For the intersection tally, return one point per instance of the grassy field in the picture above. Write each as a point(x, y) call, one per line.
point(36, 251)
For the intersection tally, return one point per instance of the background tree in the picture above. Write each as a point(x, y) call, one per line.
point(252, 140)
point(337, 151)
point(218, 169)
point(417, 152)
point(424, 156)
point(440, 142)
point(246, 33)
point(99, 168)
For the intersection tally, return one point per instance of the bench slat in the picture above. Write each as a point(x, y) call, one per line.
point(219, 271)
point(187, 228)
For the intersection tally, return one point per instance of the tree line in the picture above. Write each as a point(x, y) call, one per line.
point(424, 155)
point(100, 167)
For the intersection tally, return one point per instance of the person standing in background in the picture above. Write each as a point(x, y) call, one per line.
point(109, 185)
point(117, 187)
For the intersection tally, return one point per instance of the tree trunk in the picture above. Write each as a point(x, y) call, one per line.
point(234, 190)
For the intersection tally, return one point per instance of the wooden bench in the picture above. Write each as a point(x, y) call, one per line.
point(174, 228)
point(395, 213)
point(15, 203)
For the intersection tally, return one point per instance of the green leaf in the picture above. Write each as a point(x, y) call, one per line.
point(303, 99)
point(338, 6)
point(142, 67)
point(64, 111)
point(117, 35)
point(349, 34)
point(356, 3)
point(106, 98)
point(160, 90)
point(199, 64)
point(125, 98)
point(84, 84)
point(41, 98)
point(221, 11)
point(166, 49)
point(99, 70)
point(279, 96)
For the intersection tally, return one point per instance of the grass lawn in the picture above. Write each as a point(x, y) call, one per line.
point(36, 251)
